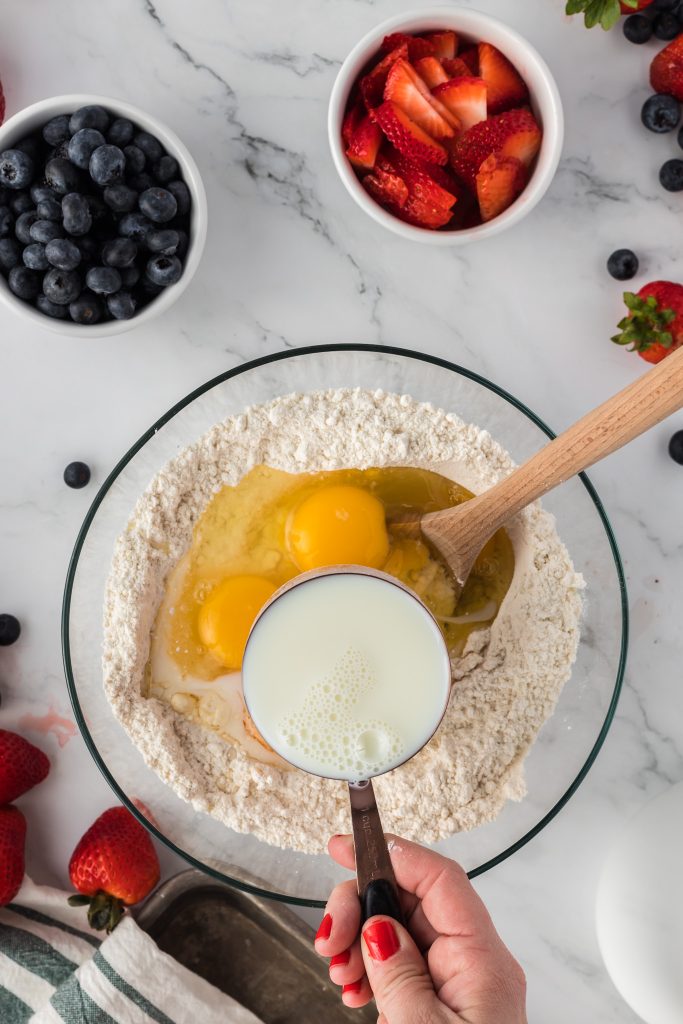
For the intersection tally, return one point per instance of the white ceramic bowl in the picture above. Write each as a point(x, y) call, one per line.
point(32, 118)
point(470, 26)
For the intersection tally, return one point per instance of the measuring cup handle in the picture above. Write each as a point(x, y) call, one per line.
point(377, 889)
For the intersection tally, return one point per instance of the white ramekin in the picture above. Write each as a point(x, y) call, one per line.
point(470, 26)
point(31, 118)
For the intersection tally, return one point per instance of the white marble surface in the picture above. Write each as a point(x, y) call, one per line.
point(290, 260)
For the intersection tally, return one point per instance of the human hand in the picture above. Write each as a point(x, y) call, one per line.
point(449, 966)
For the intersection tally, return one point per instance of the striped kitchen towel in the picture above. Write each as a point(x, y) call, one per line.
point(55, 970)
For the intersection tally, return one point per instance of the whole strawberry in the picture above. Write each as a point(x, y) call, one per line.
point(666, 69)
point(22, 766)
point(113, 866)
point(12, 840)
point(654, 325)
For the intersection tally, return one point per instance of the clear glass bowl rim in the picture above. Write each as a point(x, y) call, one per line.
point(187, 400)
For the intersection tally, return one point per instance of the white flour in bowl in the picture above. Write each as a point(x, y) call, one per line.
point(507, 681)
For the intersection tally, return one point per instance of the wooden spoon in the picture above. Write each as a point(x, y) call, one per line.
point(458, 534)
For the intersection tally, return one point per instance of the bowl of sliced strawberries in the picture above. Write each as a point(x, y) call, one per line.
point(445, 125)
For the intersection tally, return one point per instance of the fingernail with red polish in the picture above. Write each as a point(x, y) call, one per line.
point(381, 940)
point(341, 959)
point(325, 928)
point(353, 986)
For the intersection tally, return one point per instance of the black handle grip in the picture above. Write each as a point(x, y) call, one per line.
point(381, 897)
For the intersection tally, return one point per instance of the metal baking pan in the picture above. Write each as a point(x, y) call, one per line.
point(255, 950)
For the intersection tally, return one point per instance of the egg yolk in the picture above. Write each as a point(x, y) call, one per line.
point(228, 613)
point(338, 525)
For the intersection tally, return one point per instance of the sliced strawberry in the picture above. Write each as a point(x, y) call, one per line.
point(424, 214)
point(372, 85)
point(512, 133)
point(430, 71)
point(456, 68)
point(352, 118)
point(499, 181)
point(386, 187)
point(365, 142)
point(407, 136)
point(471, 57)
point(506, 87)
point(417, 45)
point(419, 179)
point(406, 89)
point(464, 97)
point(445, 43)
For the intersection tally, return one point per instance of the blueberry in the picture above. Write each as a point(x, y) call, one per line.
point(63, 254)
point(34, 257)
point(20, 203)
point(62, 176)
point(10, 254)
point(671, 175)
point(129, 276)
point(16, 169)
point(22, 228)
point(183, 244)
point(76, 214)
point(89, 117)
point(150, 289)
point(135, 159)
point(676, 447)
point(45, 230)
point(6, 221)
point(163, 240)
point(60, 152)
point(121, 306)
point(107, 165)
point(637, 28)
point(121, 132)
point(158, 204)
point(77, 474)
point(660, 113)
point(57, 130)
point(164, 270)
point(10, 628)
point(44, 305)
point(664, 5)
point(31, 147)
point(90, 248)
point(150, 146)
point(666, 26)
point(86, 309)
point(140, 182)
point(43, 193)
point(623, 264)
point(83, 144)
point(61, 286)
point(166, 169)
point(49, 209)
point(120, 198)
point(182, 196)
point(136, 226)
point(24, 283)
point(103, 280)
point(119, 252)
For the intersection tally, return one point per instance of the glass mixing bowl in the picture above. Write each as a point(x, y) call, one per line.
point(566, 746)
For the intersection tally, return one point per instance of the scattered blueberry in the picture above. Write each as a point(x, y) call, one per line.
point(676, 447)
point(10, 254)
point(20, 202)
point(671, 175)
point(6, 221)
point(22, 228)
point(120, 198)
point(666, 26)
point(660, 113)
point(89, 117)
point(122, 305)
point(182, 196)
point(158, 204)
point(63, 254)
point(120, 252)
point(150, 146)
point(77, 474)
point(637, 28)
point(10, 628)
point(121, 132)
point(49, 209)
point(24, 283)
point(136, 226)
point(16, 169)
point(103, 280)
point(129, 276)
point(34, 257)
point(83, 144)
point(76, 214)
point(86, 309)
point(163, 240)
point(45, 230)
point(107, 164)
point(57, 130)
point(164, 270)
point(51, 308)
point(135, 159)
point(62, 176)
point(61, 286)
point(166, 169)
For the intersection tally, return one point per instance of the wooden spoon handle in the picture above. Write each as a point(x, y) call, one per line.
point(626, 415)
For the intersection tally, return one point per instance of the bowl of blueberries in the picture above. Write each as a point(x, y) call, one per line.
point(103, 215)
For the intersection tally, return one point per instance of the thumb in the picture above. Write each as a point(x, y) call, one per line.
point(398, 974)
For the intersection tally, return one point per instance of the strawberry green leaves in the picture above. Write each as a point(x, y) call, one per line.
point(605, 13)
